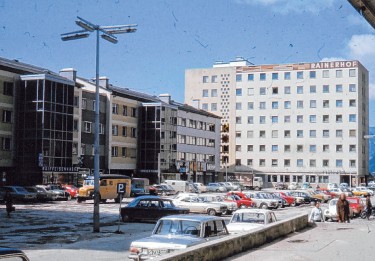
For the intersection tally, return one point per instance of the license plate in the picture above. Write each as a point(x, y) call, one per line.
point(157, 252)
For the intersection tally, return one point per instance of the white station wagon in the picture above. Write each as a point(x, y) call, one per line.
point(248, 219)
point(177, 232)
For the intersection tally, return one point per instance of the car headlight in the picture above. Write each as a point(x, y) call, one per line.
point(135, 250)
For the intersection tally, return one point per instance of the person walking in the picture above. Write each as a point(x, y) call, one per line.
point(342, 208)
point(316, 214)
point(8, 203)
point(368, 206)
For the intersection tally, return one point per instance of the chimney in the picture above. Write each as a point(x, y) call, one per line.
point(104, 81)
point(165, 98)
point(68, 73)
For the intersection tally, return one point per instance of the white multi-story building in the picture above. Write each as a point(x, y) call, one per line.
point(302, 122)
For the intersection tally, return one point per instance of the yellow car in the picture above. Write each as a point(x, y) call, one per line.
point(359, 193)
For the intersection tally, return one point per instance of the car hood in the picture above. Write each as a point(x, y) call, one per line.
point(167, 242)
point(241, 226)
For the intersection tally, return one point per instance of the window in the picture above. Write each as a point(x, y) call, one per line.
point(286, 148)
point(312, 133)
point(262, 134)
point(338, 148)
point(299, 162)
point(275, 105)
point(84, 104)
point(238, 106)
point(339, 133)
point(238, 148)
point(8, 88)
point(286, 75)
point(338, 118)
point(114, 151)
point(249, 162)
point(262, 105)
point(134, 133)
point(262, 76)
point(275, 119)
point(250, 77)
point(352, 148)
point(287, 104)
point(326, 104)
point(299, 148)
point(87, 126)
point(352, 118)
point(312, 89)
point(312, 74)
point(238, 134)
point(299, 75)
point(287, 90)
point(286, 133)
point(250, 106)
point(338, 163)
point(286, 119)
point(299, 133)
point(238, 162)
point(123, 152)
point(205, 106)
point(134, 112)
point(205, 79)
point(250, 134)
point(325, 133)
point(214, 93)
point(325, 118)
point(238, 92)
point(101, 128)
point(339, 88)
point(5, 143)
point(7, 116)
point(352, 164)
point(352, 72)
point(299, 89)
point(299, 118)
point(286, 162)
point(274, 162)
point(352, 103)
point(205, 93)
point(213, 106)
point(262, 90)
point(115, 108)
point(214, 78)
point(250, 91)
point(275, 90)
point(250, 119)
point(125, 110)
point(250, 148)
point(325, 88)
point(312, 118)
point(325, 73)
point(338, 73)
point(339, 103)
point(300, 104)
point(239, 78)
point(124, 131)
point(238, 120)
point(75, 125)
point(312, 103)
point(352, 133)
point(325, 163)
point(352, 88)
point(262, 162)
point(312, 148)
point(312, 163)
point(262, 119)
point(115, 130)
point(325, 148)
point(275, 134)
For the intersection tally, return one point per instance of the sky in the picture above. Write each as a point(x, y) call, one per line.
point(175, 35)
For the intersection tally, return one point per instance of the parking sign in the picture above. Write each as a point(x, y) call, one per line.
point(121, 188)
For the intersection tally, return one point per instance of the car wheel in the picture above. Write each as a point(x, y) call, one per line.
point(293, 204)
point(69, 197)
point(211, 212)
point(325, 219)
point(263, 206)
point(79, 200)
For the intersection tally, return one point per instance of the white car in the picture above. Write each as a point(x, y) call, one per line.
point(248, 219)
point(293, 186)
point(202, 188)
point(213, 198)
point(177, 232)
point(332, 186)
point(197, 205)
point(331, 211)
point(261, 201)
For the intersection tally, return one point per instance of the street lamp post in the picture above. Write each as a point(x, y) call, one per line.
point(107, 33)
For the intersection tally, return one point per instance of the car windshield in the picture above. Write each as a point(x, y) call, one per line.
point(20, 189)
point(178, 227)
point(250, 217)
point(88, 182)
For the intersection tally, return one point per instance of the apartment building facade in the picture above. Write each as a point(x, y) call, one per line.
point(301, 122)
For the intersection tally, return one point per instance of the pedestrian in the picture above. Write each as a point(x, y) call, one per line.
point(9, 203)
point(368, 206)
point(316, 214)
point(342, 209)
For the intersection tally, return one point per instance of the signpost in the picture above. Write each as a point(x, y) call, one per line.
point(121, 189)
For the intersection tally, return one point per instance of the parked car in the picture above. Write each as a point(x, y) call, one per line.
point(58, 192)
point(241, 202)
point(359, 193)
point(306, 197)
point(281, 185)
point(369, 191)
point(42, 194)
point(161, 189)
point(306, 185)
point(150, 208)
point(231, 206)
point(193, 188)
point(293, 186)
point(215, 187)
point(356, 205)
point(73, 190)
point(248, 219)
point(332, 186)
point(233, 185)
point(261, 200)
point(136, 189)
point(320, 195)
point(12, 254)
point(338, 192)
point(177, 232)
point(197, 205)
point(344, 185)
point(290, 200)
point(18, 193)
point(331, 211)
point(202, 188)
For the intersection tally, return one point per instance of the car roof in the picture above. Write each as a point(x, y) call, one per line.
point(7, 251)
point(148, 197)
point(200, 218)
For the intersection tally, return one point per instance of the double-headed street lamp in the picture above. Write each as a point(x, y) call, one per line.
point(107, 33)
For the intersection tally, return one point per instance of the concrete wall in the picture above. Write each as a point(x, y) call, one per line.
point(234, 244)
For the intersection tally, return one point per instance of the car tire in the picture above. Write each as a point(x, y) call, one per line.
point(263, 206)
point(256, 188)
point(211, 212)
point(293, 204)
point(69, 198)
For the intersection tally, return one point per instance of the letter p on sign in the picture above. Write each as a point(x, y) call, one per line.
point(121, 188)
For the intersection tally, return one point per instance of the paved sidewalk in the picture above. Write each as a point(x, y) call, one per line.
point(327, 241)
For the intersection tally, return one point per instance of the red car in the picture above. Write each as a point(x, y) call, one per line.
point(289, 199)
point(327, 192)
point(356, 205)
point(241, 203)
point(73, 191)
